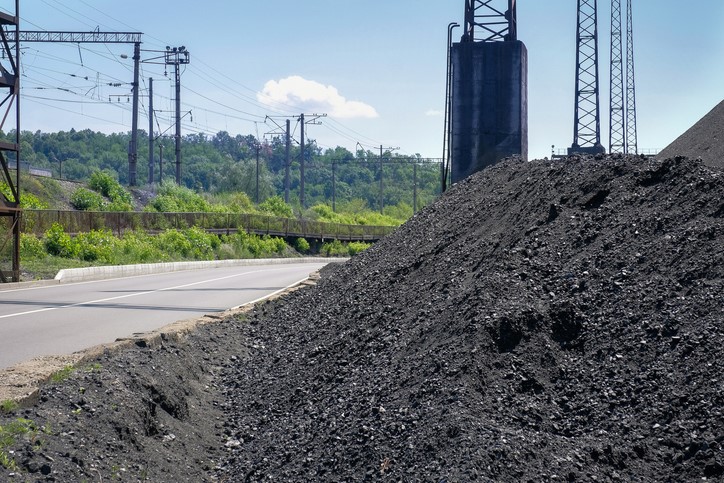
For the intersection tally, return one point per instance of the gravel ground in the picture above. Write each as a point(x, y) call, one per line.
point(543, 321)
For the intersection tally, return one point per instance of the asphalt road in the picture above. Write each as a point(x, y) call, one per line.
point(62, 319)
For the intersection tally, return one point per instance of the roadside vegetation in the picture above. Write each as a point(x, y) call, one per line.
point(219, 178)
point(42, 257)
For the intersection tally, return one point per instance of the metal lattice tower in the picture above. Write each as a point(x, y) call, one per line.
point(10, 210)
point(486, 23)
point(631, 136)
point(617, 110)
point(587, 115)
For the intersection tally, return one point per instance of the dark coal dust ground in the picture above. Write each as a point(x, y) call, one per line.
point(543, 321)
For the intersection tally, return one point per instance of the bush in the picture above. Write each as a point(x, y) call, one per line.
point(173, 242)
point(240, 203)
point(96, 246)
point(138, 247)
point(353, 248)
point(27, 200)
point(58, 242)
point(323, 212)
point(104, 183)
point(86, 200)
point(201, 243)
point(31, 202)
point(301, 245)
point(277, 207)
point(244, 245)
point(174, 198)
point(334, 248)
point(31, 247)
point(164, 204)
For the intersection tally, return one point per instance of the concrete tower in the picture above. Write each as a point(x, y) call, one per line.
point(489, 101)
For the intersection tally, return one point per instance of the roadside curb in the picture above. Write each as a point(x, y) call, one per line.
point(120, 271)
point(86, 274)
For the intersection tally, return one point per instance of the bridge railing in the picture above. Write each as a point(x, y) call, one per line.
point(39, 221)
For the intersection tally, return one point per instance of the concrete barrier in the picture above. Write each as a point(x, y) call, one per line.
point(85, 274)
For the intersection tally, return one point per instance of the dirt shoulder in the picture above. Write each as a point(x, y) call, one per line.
point(145, 408)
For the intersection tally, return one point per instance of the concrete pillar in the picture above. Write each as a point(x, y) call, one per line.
point(489, 105)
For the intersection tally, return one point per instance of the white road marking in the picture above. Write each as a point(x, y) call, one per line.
point(90, 302)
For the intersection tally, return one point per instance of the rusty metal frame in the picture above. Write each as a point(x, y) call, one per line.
point(10, 209)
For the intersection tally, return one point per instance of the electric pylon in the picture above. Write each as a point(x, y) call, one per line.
point(587, 115)
point(623, 84)
point(617, 110)
point(631, 136)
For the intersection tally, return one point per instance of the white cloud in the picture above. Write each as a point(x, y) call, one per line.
point(311, 96)
point(434, 113)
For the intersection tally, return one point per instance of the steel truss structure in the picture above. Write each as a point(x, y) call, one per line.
point(623, 137)
point(587, 115)
point(98, 37)
point(631, 135)
point(485, 22)
point(10, 211)
point(617, 110)
point(95, 37)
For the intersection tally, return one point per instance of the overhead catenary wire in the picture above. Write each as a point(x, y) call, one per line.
point(210, 75)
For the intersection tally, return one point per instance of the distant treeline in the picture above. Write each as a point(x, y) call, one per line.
point(223, 163)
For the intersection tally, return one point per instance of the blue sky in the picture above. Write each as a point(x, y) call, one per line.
point(376, 67)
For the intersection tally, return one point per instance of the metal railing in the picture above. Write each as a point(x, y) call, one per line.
point(39, 221)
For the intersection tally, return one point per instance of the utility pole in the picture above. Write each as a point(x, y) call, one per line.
point(303, 120)
point(334, 185)
point(177, 57)
point(313, 120)
point(133, 145)
point(287, 159)
point(287, 164)
point(258, 147)
point(382, 196)
point(301, 164)
point(414, 187)
point(150, 130)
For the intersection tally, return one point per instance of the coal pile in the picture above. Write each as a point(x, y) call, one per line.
point(543, 321)
point(704, 140)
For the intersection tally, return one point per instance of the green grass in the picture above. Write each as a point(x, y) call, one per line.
point(62, 375)
point(9, 434)
point(94, 367)
point(8, 406)
point(47, 267)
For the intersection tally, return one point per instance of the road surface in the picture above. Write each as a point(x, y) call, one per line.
point(65, 318)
